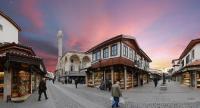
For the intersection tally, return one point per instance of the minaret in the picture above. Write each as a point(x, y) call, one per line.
point(59, 39)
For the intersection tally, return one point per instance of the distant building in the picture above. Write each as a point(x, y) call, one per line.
point(73, 65)
point(118, 59)
point(186, 69)
point(155, 73)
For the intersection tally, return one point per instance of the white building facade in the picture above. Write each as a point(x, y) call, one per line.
point(73, 65)
point(8, 29)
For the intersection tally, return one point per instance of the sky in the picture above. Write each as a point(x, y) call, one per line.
point(162, 28)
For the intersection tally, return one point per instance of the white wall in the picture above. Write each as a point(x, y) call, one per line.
point(196, 49)
point(143, 62)
point(9, 32)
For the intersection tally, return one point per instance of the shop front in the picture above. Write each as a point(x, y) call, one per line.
point(186, 79)
point(191, 76)
point(22, 70)
point(127, 76)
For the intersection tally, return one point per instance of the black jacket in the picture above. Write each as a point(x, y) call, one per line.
point(42, 86)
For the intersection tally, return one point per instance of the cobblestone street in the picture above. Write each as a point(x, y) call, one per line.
point(66, 96)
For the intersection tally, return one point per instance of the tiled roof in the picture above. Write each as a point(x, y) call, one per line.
point(22, 54)
point(10, 20)
point(7, 46)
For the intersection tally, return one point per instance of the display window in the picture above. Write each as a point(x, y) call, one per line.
point(145, 78)
point(98, 78)
point(119, 76)
point(21, 84)
point(186, 79)
point(89, 80)
point(129, 80)
point(33, 82)
point(198, 79)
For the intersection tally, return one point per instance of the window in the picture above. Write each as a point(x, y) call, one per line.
point(72, 61)
point(182, 63)
point(135, 58)
point(1, 27)
point(105, 52)
point(72, 68)
point(192, 55)
point(125, 51)
point(187, 59)
point(131, 54)
point(93, 57)
point(114, 50)
point(98, 55)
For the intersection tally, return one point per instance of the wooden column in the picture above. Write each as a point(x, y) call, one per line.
point(125, 78)
point(93, 78)
point(132, 79)
point(104, 75)
point(195, 79)
point(86, 79)
point(112, 75)
point(31, 83)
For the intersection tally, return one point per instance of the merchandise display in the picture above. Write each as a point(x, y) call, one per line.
point(98, 77)
point(186, 79)
point(145, 78)
point(21, 84)
point(198, 80)
point(90, 81)
point(129, 80)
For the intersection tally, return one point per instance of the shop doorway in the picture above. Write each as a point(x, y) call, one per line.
point(193, 79)
point(1, 85)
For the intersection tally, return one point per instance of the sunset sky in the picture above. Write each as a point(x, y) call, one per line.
point(163, 28)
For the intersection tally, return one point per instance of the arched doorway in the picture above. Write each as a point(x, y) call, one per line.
point(85, 62)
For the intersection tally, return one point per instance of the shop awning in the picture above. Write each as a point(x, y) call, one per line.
point(35, 62)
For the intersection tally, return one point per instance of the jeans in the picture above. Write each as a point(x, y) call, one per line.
point(116, 103)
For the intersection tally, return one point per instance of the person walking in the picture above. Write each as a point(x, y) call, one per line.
point(109, 85)
point(116, 94)
point(76, 82)
point(42, 89)
point(155, 80)
point(53, 80)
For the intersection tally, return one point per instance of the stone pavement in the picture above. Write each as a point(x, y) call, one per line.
point(67, 96)
point(148, 96)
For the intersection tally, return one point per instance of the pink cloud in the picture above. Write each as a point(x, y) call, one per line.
point(172, 48)
point(29, 8)
point(49, 60)
point(96, 28)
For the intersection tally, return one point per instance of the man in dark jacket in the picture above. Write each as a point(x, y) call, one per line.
point(42, 89)
point(155, 80)
point(76, 82)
